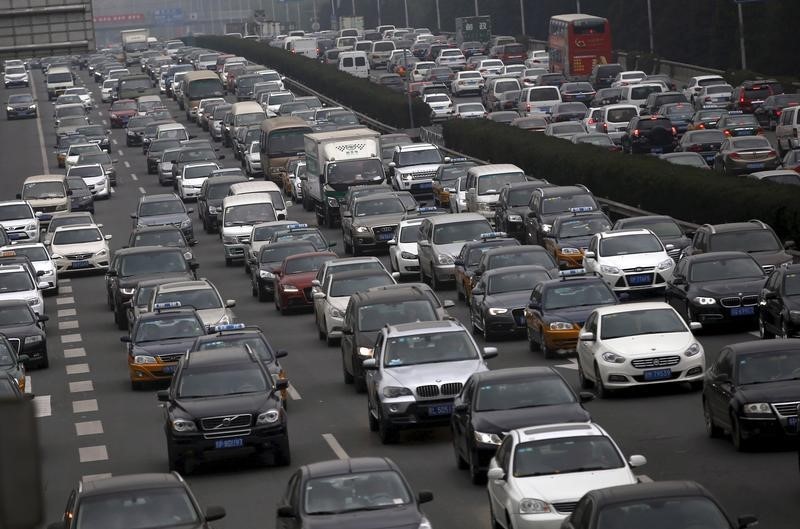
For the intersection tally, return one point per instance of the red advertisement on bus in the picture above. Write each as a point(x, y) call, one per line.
point(577, 43)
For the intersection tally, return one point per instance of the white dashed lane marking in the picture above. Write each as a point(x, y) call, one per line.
point(88, 428)
point(142, 191)
point(335, 446)
point(573, 365)
point(65, 325)
point(66, 289)
point(70, 338)
point(77, 352)
point(293, 393)
point(66, 313)
point(42, 406)
point(68, 300)
point(87, 454)
point(121, 152)
point(77, 369)
point(133, 176)
point(81, 386)
point(95, 477)
point(114, 142)
point(127, 164)
point(84, 406)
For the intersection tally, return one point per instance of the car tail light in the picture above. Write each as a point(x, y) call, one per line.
point(778, 113)
point(527, 107)
point(706, 99)
point(635, 133)
point(726, 132)
point(797, 169)
point(605, 127)
point(759, 130)
point(695, 148)
point(741, 100)
point(674, 131)
point(701, 126)
point(591, 121)
point(735, 155)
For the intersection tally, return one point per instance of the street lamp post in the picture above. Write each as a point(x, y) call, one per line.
point(741, 36)
point(405, 4)
point(438, 18)
point(577, 6)
point(522, 14)
point(650, 26)
point(477, 12)
point(378, 3)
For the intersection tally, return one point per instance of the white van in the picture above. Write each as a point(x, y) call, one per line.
point(58, 79)
point(614, 120)
point(538, 100)
point(355, 63)
point(380, 52)
point(304, 46)
point(239, 214)
point(173, 131)
point(787, 131)
point(636, 94)
point(263, 186)
point(484, 184)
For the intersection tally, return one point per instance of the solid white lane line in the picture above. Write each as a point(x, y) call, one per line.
point(65, 281)
point(77, 352)
point(42, 406)
point(42, 148)
point(127, 164)
point(65, 325)
point(335, 446)
point(84, 406)
point(573, 364)
point(293, 393)
point(88, 428)
point(142, 191)
point(81, 386)
point(95, 477)
point(133, 176)
point(755, 333)
point(66, 289)
point(77, 369)
point(70, 338)
point(66, 313)
point(69, 300)
point(87, 454)
point(28, 384)
point(644, 479)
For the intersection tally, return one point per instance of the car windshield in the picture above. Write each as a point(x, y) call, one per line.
point(14, 70)
point(409, 234)
point(757, 143)
point(153, 263)
point(15, 282)
point(640, 322)
point(123, 105)
point(680, 111)
point(86, 171)
point(577, 295)
point(20, 99)
point(15, 212)
point(582, 227)
point(352, 492)
point(454, 232)
point(705, 136)
point(419, 157)
point(471, 107)
point(725, 269)
point(220, 380)
point(77, 236)
point(248, 214)
point(355, 172)
point(198, 298)
point(620, 115)
point(565, 456)
point(570, 127)
point(92, 130)
point(60, 77)
point(351, 285)
point(203, 88)
point(429, 349)
point(198, 171)
point(312, 236)
point(515, 281)
point(160, 238)
point(451, 172)
point(271, 254)
point(77, 184)
point(662, 228)
point(524, 256)
point(19, 315)
point(519, 197)
point(310, 263)
point(286, 142)
point(522, 393)
point(161, 145)
point(378, 206)
point(34, 253)
point(43, 190)
point(161, 207)
point(491, 184)
point(663, 512)
point(252, 340)
point(141, 509)
point(167, 328)
point(254, 118)
point(719, 89)
point(629, 244)
point(740, 120)
point(750, 241)
point(374, 317)
point(771, 366)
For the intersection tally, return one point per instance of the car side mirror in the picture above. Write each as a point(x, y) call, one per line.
point(19, 197)
point(588, 255)
point(134, 216)
point(586, 396)
point(230, 303)
point(746, 520)
point(669, 247)
point(695, 326)
point(448, 303)
point(458, 262)
point(586, 336)
point(319, 295)
point(286, 511)
point(190, 210)
point(489, 352)
point(214, 512)
point(424, 496)
point(477, 292)
point(533, 305)
point(281, 384)
point(496, 473)
point(678, 280)
point(531, 214)
point(789, 245)
point(636, 461)
point(370, 364)
point(43, 285)
point(107, 237)
point(162, 395)
point(281, 353)
point(392, 242)
point(346, 214)
point(43, 318)
point(315, 283)
point(392, 165)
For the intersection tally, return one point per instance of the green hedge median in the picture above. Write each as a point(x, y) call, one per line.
point(361, 95)
point(645, 182)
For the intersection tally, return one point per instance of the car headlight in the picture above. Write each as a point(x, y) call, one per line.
point(494, 311)
point(533, 506)
point(31, 226)
point(515, 218)
point(609, 269)
point(693, 350)
point(444, 259)
point(794, 314)
point(30, 340)
point(101, 253)
point(229, 239)
point(570, 251)
point(9, 109)
point(361, 229)
point(268, 417)
point(333, 202)
point(407, 255)
point(126, 291)
point(144, 359)
point(290, 288)
point(32, 107)
point(700, 300)
point(185, 223)
point(546, 228)
point(182, 425)
point(188, 256)
point(488, 438)
point(366, 351)
point(484, 206)
point(561, 326)
point(212, 210)
point(33, 301)
point(425, 524)
point(265, 274)
point(757, 408)
point(392, 392)
point(336, 313)
point(613, 358)
point(666, 265)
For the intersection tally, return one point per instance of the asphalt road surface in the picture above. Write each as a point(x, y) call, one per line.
point(91, 423)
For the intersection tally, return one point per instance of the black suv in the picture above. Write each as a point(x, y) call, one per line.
point(209, 201)
point(754, 237)
point(125, 496)
point(367, 313)
point(779, 303)
point(603, 75)
point(656, 99)
point(650, 135)
point(547, 203)
point(221, 400)
point(25, 331)
point(512, 207)
point(717, 287)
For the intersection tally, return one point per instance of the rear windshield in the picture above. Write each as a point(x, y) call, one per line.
point(619, 115)
point(545, 94)
point(761, 92)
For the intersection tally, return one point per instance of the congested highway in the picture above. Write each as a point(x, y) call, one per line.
point(92, 424)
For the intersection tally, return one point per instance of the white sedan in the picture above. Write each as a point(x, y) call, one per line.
point(638, 344)
point(470, 110)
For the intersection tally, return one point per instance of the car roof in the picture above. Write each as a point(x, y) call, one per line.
point(736, 226)
point(564, 190)
point(624, 233)
point(451, 218)
point(760, 346)
point(177, 286)
point(75, 227)
point(515, 268)
point(415, 147)
point(424, 327)
point(159, 197)
point(129, 482)
point(336, 467)
point(645, 491)
point(559, 431)
point(350, 274)
point(8, 303)
point(572, 280)
point(147, 249)
point(632, 307)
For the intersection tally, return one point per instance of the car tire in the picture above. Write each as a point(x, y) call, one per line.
point(228, 261)
point(584, 382)
point(546, 351)
point(461, 463)
point(175, 462)
point(476, 475)
point(712, 429)
point(348, 248)
point(121, 319)
point(533, 346)
point(282, 457)
point(492, 518)
point(762, 330)
point(600, 388)
point(386, 432)
point(784, 333)
point(488, 336)
point(373, 422)
point(44, 363)
point(347, 377)
point(739, 442)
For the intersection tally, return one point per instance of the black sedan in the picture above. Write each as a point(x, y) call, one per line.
point(358, 492)
point(21, 106)
point(752, 391)
point(494, 402)
point(268, 262)
point(24, 330)
point(716, 287)
point(500, 297)
point(779, 302)
point(706, 143)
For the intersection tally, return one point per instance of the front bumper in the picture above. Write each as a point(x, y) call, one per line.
point(625, 375)
point(419, 187)
point(151, 372)
point(512, 321)
point(716, 314)
point(294, 300)
point(95, 262)
point(445, 273)
point(626, 282)
point(406, 412)
point(189, 192)
point(768, 427)
point(407, 266)
point(274, 436)
point(234, 251)
point(749, 166)
point(550, 520)
point(17, 113)
point(561, 341)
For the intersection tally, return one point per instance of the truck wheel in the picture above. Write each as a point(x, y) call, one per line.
point(330, 222)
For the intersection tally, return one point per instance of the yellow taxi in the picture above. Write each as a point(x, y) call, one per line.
point(571, 233)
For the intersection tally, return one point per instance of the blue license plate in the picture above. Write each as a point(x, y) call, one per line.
point(79, 264)
point(442, 409)
point(755, 166)
point(657, 374)
point(656, 150)
point(792, 423)
point(641, 279)
point(544, 109)
point(385, 236)
point(17, 235)
point(425, 185)
point(168, 369)
point(743, 311)
point(709, 157)
point(45, 216)
point(236, 442)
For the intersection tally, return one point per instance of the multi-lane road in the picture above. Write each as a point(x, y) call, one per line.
point(91, 423)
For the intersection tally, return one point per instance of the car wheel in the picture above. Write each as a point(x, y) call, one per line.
point(600, 388)
point(121, 319)
point(784, 331)
point(44, 363)
point(435, 284)
point(488, 336)
point(476, 475)
point(282, 457)
point(373, 422)
point(254, 289)
point(584, 382)
point(546, 351)
point(739, 442)
point(330, 342)
point(532, 345)
point(386, 432)
point(712, 429)
point(689, 315)
point(762, 330)
point(228, 261)
point(347, 376)
point(461, 463)
point(492, 518)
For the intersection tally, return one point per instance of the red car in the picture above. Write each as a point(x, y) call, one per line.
point(293, 288)
point(121, 111)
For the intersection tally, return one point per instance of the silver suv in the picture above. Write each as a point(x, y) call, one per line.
point(416, 372)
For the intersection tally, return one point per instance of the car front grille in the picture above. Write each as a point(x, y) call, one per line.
point(423, 176)
point(16, 344)
point(639, 269)
point(78, 256)
point(786, 409)
point(432, 390)
point(226, 422)
point(428, 392)
point(172, 357)
point(658, 361)
point(768, 269)
point(735, 301)
point(451, 388)
point(47, 209)
point(565, 507)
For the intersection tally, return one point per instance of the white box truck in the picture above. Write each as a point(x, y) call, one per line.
point(134, 42)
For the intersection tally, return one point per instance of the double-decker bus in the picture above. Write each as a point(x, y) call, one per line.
point(577, 43)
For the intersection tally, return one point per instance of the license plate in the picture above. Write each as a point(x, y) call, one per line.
point(792, 423)
point(709, 158)
point(442, 409)
point(425, 185)
point(80, 264)
point(657, 374)
point(385, 236)
point(168, 369)
point(755, 166)
point(743, 311)
point(641, 279)
point(17, 235)
point(656, 150)
point(544, 109)
point(236, 442)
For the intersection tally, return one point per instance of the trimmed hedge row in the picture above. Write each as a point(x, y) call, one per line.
point(645, 182)
point(361, 95)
